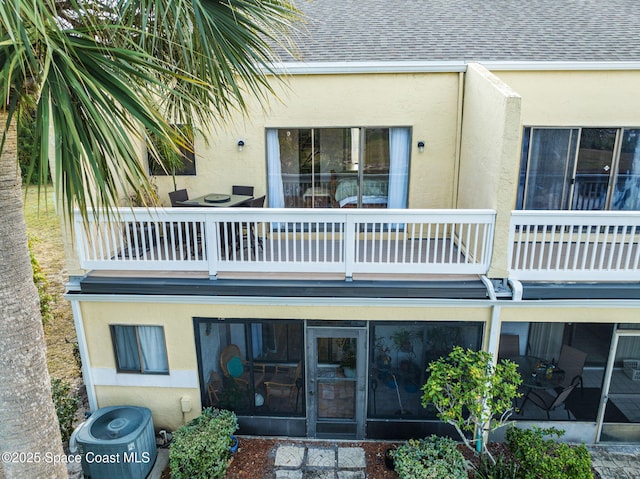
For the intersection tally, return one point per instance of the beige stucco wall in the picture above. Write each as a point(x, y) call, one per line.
point(162, 393)
point(426, 102)
point(490, 146)
point(177, 319)
point(577, 98)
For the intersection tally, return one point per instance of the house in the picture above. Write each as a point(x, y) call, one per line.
point(436, 174)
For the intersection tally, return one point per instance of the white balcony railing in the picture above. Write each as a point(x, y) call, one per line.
point(575, 245)
point(288, 240)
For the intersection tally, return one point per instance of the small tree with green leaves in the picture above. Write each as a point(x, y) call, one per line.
point(472, 394)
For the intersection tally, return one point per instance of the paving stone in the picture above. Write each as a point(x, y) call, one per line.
point(315, 474)
point(289, 474)
point(351, 475)
point(289, 456)
point(317, 457)
point(351, 457)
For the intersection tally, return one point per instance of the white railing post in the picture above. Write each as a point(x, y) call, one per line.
point(350, 237)
point(211, 246)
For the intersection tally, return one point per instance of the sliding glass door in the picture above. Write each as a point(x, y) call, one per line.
point(338, 167)
point(580, 169)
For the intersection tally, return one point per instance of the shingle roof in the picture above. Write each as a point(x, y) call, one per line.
point(469, 30)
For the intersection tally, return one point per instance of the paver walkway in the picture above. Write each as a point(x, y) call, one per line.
point(320, 462)
point(616, 462)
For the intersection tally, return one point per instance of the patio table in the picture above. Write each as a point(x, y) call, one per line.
point(218, 200)
point(228, 231)
point(535, 375)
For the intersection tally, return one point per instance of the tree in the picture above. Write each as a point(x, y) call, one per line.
point(100, 74)
point(472, 394)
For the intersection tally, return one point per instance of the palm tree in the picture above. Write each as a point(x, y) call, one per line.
point(101, 74)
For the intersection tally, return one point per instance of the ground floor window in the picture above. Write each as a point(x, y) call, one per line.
point(399, 356)
point(338, 167)
point(252, 367)
point(140, 349)
point(553, 356)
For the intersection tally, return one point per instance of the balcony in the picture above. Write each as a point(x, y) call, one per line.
point(351, 243)
point(574, 245)
point(343, 242)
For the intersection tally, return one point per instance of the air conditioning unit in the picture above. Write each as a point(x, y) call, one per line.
point(117, 441)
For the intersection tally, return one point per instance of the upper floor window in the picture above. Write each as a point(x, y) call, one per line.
point(169, 162)
point(140, 349)
point(580, 169)
point(338, 167)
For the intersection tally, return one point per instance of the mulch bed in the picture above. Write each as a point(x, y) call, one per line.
point(256, 456)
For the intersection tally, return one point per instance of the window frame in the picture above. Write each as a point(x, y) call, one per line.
point(356, 164)
point(570, 186)
point(188, 167)
point(140, 359)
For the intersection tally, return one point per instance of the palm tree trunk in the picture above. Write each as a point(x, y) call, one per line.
point(30, 437)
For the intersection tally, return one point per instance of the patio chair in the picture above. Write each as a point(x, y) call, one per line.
point(249, 235)
point(242, 190)
point(213, 388)
point(285, 386)
point(548, 401)
point(233, 366)
point(177, 197)
point(571, 361)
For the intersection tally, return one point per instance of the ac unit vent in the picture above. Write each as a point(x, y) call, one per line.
point(117, 441)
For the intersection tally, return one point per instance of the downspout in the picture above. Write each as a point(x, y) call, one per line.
point(516, 289)
point(492, 347)
point(456, 163)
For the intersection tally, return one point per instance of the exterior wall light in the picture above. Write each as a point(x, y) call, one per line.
point(240, 145)
point(421, 146)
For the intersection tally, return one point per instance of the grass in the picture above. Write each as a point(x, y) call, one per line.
point(44, 227)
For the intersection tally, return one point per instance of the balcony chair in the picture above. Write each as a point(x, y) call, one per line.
point(509, 346)
point(285, 386)
point(242, 190)
point(249, 236)
point(548, 401)
point(571, 361)
point(177, 197)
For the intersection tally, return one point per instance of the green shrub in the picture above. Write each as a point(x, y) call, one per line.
point(200, 449)
point(542, 457)
point(430, 458)
point(66, 404)
point(503, 468)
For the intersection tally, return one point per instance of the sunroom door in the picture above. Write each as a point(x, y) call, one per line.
point(336, 382)
point(619, 415)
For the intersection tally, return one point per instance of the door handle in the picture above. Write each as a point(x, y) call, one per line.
point(606, 168)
